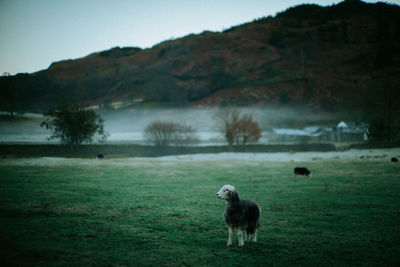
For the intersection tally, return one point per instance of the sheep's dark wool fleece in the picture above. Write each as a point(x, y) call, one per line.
point(242, 213)
point(301, 171)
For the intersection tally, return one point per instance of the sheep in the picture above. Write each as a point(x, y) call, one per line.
point(302, 171)
point(242, 214)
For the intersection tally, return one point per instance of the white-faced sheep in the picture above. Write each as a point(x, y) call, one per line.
point(242, 214)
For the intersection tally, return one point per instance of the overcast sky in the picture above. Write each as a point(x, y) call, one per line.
point(35, 33)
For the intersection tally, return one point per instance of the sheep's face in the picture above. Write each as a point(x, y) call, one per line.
point(225, 191)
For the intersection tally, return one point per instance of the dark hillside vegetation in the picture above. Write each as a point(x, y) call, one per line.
point(322, 57)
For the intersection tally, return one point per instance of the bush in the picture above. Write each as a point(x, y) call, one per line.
point(165, 133)
point(74, 124)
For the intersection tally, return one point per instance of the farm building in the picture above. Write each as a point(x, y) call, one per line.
point(341, 132)
point(296, 135)
point(347, 131)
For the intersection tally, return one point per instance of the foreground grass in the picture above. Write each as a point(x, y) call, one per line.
point(166, 213)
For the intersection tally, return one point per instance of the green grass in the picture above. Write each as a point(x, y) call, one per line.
point(166, 213)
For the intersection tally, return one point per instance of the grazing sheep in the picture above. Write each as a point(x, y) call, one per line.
point(301, 171)
point(242, 214)
point(394, 159)
point(99, 156)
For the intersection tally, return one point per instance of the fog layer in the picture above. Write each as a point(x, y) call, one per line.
point(126, 126)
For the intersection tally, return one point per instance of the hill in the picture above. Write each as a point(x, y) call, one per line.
point(322, 57)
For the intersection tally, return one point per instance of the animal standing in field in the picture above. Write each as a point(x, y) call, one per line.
point(242, 214)
point(394, 159)
point(302, 171)
point(100, 156)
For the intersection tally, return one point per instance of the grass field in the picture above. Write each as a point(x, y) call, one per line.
point(152, 212)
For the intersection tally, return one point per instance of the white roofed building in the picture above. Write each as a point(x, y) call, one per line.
point(344, 131)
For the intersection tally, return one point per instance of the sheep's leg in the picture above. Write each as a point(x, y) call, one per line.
point(247, 236)
point(230, 236)
point(240, 236)
point(255, 236)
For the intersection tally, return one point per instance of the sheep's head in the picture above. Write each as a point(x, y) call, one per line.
point(226, 191)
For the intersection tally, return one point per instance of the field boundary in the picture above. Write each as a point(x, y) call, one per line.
point(112, 150)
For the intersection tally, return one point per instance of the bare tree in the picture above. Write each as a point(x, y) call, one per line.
point(237, 129)
point(248, 131)
point(227, 120)
point(184, 135)
point(165, 133)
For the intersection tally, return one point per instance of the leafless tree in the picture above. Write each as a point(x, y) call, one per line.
point(184, 135)
point(165, 133)
point(248, 130)
point(237, 129)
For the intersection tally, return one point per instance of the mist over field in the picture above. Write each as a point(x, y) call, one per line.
point(127, 125)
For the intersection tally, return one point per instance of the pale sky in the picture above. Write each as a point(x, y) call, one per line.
point(35, 33)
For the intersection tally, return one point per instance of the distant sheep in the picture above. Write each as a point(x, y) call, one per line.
point(301, 171)
point(99, 156)
point(394, 159)
point(241, 214)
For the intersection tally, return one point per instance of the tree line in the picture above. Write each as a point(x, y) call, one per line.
point(74, 124)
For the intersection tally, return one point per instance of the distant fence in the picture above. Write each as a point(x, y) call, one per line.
point(146, 151)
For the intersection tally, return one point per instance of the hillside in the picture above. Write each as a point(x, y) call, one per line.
point(322, 57)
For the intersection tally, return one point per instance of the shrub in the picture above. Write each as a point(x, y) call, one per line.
point(165, 133)
point(74, 124)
